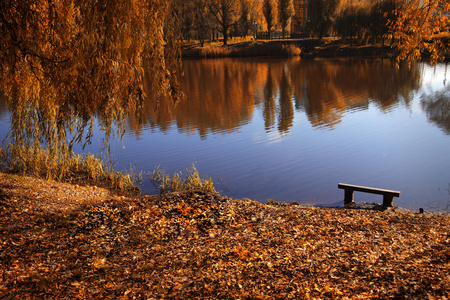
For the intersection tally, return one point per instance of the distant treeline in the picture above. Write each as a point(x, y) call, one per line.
point(209, 20)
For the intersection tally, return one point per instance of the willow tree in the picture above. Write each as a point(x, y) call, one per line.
point(66, 63)
point(321, 15)
point(421, 27)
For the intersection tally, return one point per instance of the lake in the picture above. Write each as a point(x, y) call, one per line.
point(292, 129)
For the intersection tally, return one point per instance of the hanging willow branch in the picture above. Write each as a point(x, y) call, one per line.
point(64, 63)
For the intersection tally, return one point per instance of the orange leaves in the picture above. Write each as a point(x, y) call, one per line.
point(242, 253)
point(185, 209)
point(416, 30)
point(201, 246)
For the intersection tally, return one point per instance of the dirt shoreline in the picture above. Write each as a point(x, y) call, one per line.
point(62, 241)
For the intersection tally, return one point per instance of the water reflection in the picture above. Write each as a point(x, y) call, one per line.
point(333, 88)
point(437, 108)
point(3, 106)
point(219, 98)
point(222, 94)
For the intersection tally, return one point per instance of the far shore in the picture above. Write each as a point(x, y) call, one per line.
point(303, 47)
point(285, 48)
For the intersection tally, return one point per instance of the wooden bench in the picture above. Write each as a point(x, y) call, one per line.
point(388, 195)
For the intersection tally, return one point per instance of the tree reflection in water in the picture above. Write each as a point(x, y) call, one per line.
point(222, 93)
point(437, 108)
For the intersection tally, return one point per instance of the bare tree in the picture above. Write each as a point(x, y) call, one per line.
point(226, 15)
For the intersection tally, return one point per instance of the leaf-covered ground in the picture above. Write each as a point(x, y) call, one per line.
point(59, 241)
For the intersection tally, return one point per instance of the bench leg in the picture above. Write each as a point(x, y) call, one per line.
point(388, 200)
point(348, 196)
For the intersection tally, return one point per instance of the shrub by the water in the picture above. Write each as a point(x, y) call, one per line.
point(255, 49)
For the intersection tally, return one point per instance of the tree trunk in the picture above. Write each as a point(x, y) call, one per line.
point(225, 36)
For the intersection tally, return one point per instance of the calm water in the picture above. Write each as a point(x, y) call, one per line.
point(293, 129)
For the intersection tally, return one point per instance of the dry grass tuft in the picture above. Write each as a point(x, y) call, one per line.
point(89, 169)
point(247, 49)
point(215, 52)
point(164, 183)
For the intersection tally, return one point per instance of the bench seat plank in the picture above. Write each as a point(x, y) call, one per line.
point(388, 195)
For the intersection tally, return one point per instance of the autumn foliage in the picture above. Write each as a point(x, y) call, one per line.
point(421, 27)
point(65, 242)
point(66, 64)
